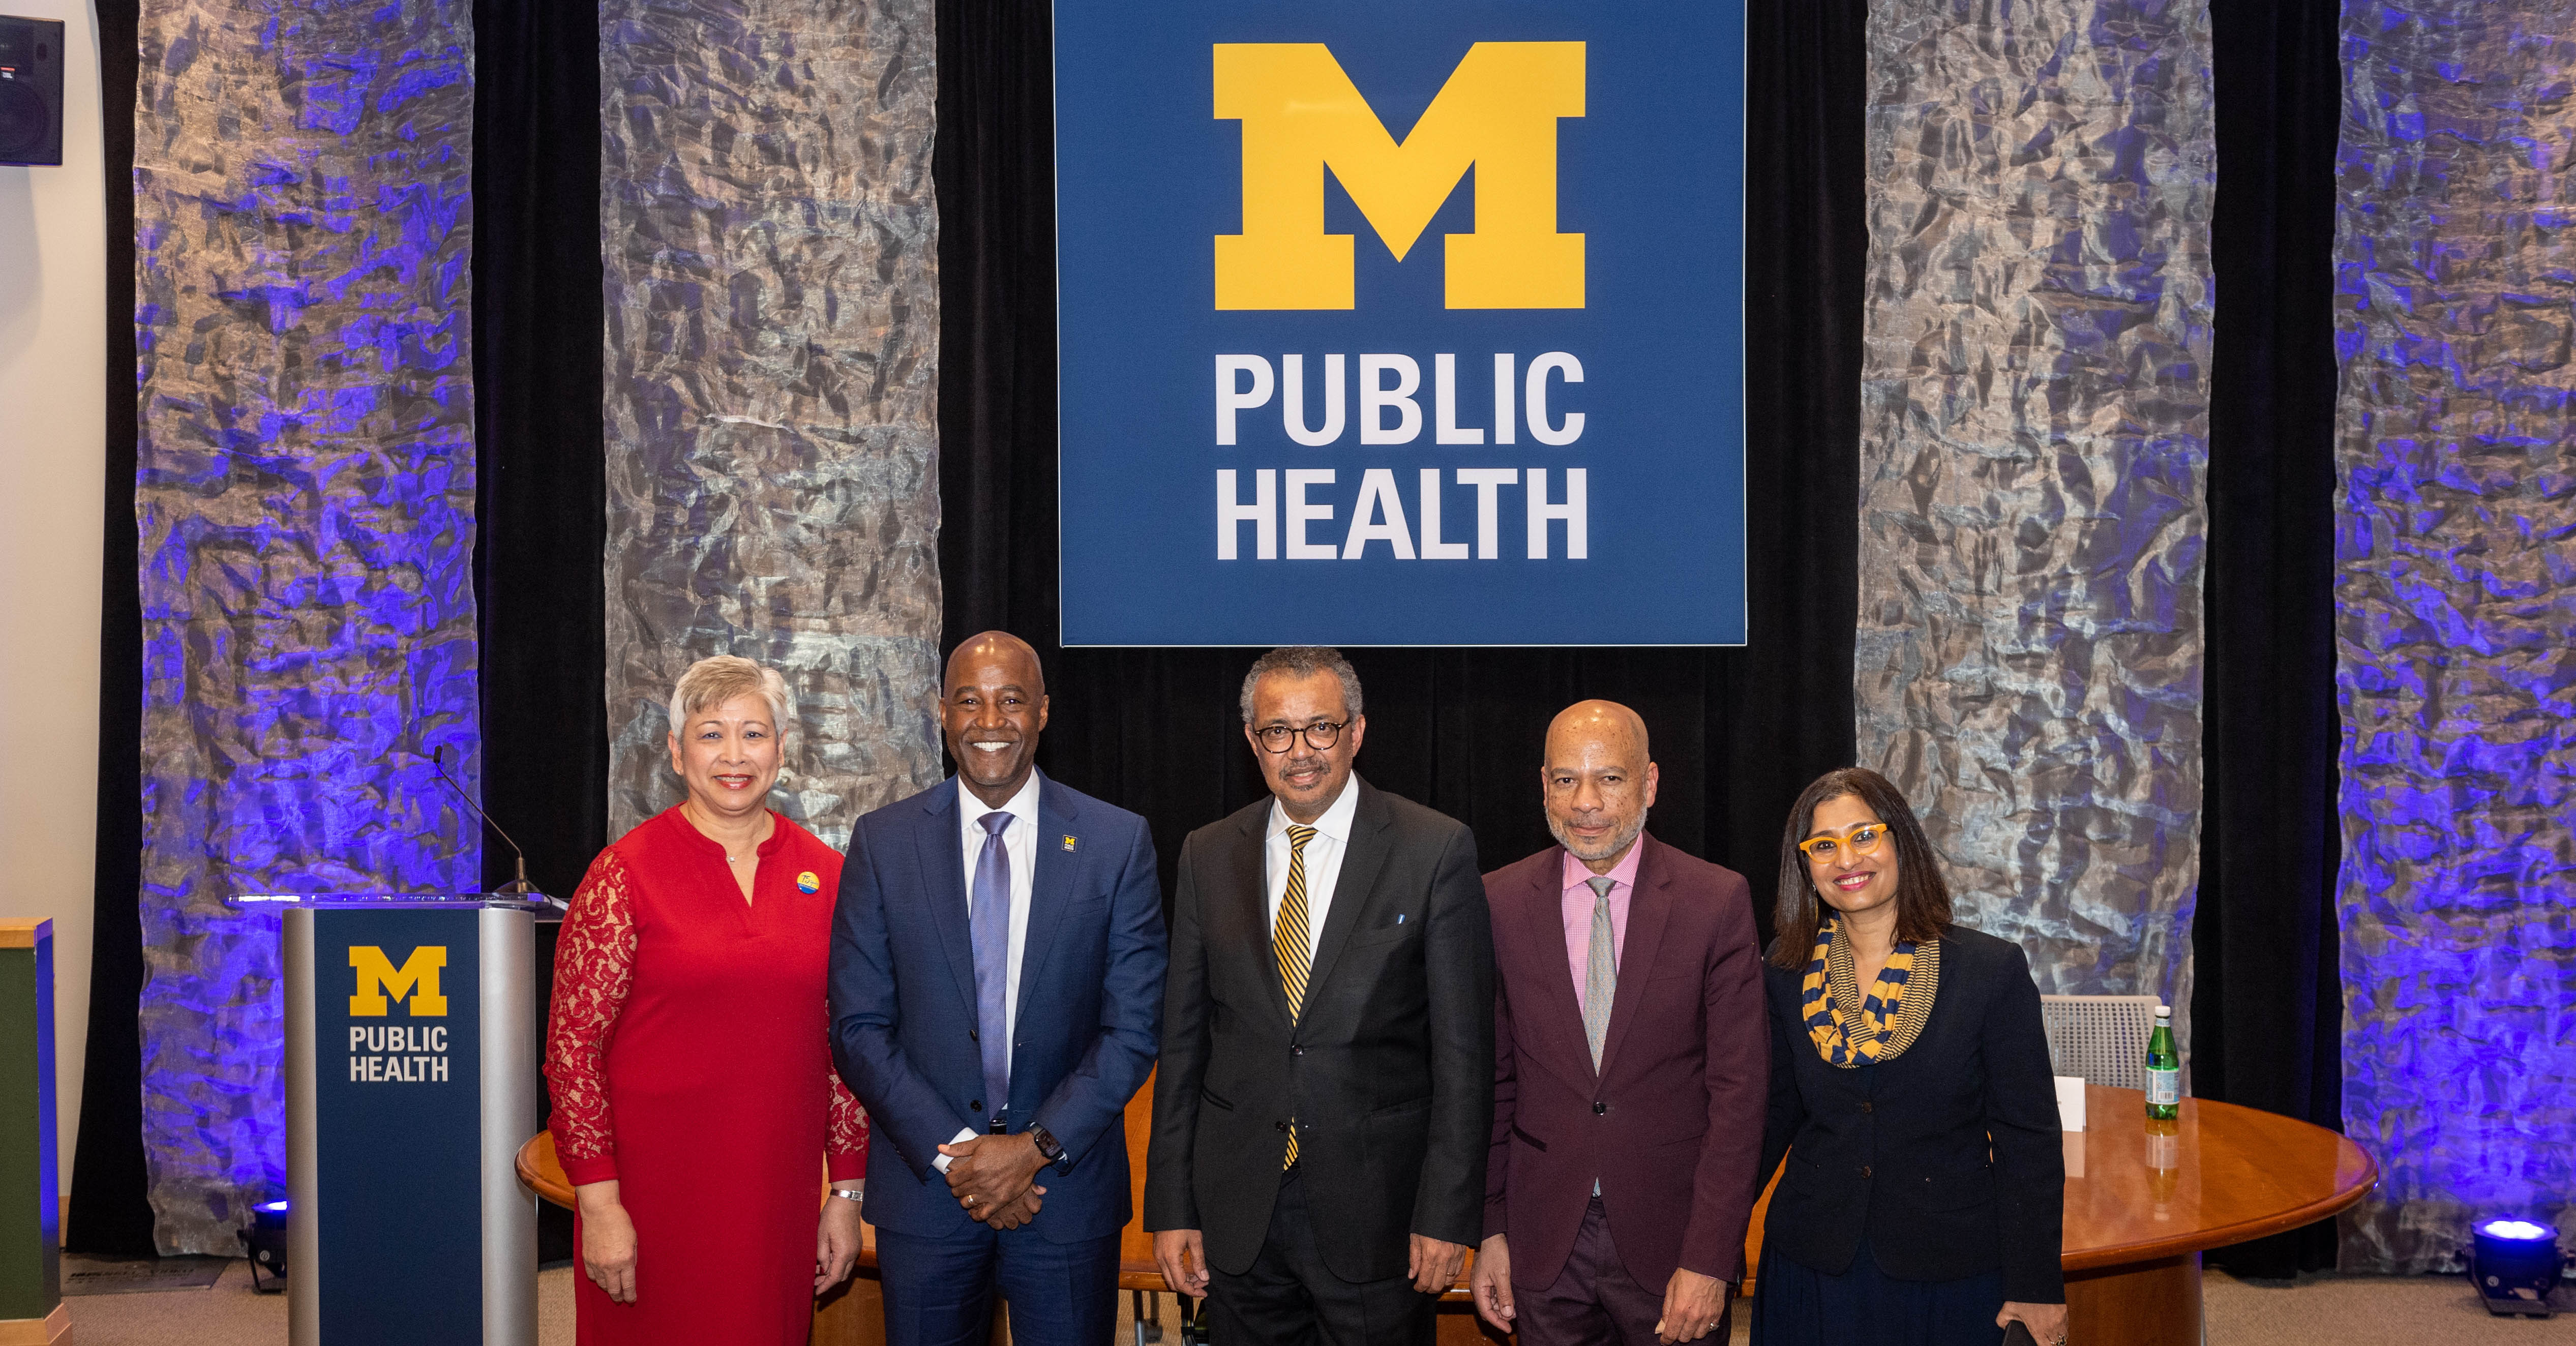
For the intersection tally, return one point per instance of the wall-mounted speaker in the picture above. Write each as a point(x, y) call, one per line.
point(31, 91)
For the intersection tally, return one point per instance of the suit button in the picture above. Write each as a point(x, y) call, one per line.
point(973, 1036)
point(1600, 1108)
point(1864, 1170)
point(976, 1106)
point(1281, 1125)
point(1867, 1108)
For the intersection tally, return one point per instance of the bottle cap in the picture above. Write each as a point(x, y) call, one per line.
point(2164, 1011)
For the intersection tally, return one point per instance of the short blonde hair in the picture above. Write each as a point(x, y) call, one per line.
point(717, 680)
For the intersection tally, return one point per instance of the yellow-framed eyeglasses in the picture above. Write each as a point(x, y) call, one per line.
point(1824, 848)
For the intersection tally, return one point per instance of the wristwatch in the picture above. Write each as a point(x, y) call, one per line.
point(1052, 1152)
point(850, 1193)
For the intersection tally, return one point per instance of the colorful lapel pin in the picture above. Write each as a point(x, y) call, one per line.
point(809, 882)
point(1068, 843)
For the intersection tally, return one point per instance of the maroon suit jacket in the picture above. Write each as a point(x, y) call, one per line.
point(1672, 1123)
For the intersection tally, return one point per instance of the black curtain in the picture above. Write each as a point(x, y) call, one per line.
point(110, 1214)
point(2267, 1011)
point(540, 476)
point(1738, 732)
point(540, 479)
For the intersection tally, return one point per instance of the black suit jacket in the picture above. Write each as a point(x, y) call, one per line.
point(1389, 1072)
point(1947, 1158)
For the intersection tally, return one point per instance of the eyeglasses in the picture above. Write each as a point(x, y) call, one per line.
point(1319, 736)
point(1824, 848)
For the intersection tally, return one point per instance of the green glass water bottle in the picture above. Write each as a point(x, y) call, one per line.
point(2164, 1069)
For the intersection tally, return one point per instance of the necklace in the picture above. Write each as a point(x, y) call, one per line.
point(688, 810)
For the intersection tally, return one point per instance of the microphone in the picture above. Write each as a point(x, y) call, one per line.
point(519, 887)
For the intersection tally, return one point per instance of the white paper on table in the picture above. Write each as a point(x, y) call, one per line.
point(2070, 1102)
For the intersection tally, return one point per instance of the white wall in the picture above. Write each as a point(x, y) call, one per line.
point(53, 314)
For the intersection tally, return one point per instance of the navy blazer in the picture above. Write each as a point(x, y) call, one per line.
point(1947, 1158)
point(1090, 1004)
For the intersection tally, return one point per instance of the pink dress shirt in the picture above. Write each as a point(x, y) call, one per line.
point(1576, 904)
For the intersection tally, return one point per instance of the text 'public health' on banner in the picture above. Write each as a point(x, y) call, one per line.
point(1401, 324)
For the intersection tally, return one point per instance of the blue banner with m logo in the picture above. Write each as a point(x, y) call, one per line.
point(1401, 324)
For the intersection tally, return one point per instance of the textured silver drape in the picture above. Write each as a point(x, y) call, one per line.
point(2033, 440)
point(2456, 593)
point(305, 496)
point(770, 245)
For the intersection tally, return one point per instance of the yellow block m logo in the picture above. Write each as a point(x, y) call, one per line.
point(1301, 115)
point(379, 978)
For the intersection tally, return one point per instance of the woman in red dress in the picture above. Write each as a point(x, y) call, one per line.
point(689, 1054)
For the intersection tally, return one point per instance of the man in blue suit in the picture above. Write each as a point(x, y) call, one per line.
point(997, 993)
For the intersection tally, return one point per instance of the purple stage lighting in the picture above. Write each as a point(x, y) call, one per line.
point(265, 1241)
point(2514, 1264)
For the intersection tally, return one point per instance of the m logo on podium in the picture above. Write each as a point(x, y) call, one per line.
point(1302, 115)
point(416, 980)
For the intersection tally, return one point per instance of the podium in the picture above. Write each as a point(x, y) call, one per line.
point(411, 1079)
point(31, 1287)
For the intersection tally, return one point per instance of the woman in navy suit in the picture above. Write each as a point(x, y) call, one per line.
point(1911, 1094)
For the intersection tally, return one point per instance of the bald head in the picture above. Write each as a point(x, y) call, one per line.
point(1604, 725)
point(991, 707)
point(1597, 781)
point(999, 647)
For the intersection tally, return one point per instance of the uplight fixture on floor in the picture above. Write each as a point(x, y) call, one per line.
point(265, 1241)
point(2515, 1264)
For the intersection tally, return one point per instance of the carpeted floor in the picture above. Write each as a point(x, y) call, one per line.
point(2368, 1310)
point(2315, 1311)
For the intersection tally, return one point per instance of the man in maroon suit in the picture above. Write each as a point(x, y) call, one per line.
point(1631, 1063)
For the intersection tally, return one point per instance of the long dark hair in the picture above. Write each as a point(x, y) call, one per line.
point(1922, 899)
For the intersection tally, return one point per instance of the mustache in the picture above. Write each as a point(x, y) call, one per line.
point(1627, 832)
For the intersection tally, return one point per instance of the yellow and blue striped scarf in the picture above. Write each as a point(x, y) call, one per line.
point(1879, 1014)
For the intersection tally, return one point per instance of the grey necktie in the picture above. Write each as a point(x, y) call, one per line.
point(1600, 970)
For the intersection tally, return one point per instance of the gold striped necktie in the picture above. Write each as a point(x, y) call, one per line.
point(1289, 942)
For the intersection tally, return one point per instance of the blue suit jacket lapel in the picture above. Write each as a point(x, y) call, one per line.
point(943, 867)
point(1050, 887)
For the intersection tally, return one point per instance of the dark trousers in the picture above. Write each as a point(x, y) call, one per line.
point(939, 1291)
point(1594, 1301)
point(1288, 1297)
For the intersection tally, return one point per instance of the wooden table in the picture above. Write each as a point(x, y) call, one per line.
point(2145, 1199)
point(2137, 1219)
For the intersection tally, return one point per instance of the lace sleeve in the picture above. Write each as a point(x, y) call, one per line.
point(594, 964)
point(847, 1145)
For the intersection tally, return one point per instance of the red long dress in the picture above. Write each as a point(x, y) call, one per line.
point(688, 1053)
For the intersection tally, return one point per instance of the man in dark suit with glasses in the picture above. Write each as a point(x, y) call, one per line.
point(1325, 1094)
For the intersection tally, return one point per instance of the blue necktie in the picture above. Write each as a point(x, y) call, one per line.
point(991, 922)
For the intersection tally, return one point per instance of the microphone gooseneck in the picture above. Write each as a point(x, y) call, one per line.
point(518, 887)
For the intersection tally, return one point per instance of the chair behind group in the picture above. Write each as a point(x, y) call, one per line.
point(2102, 1038)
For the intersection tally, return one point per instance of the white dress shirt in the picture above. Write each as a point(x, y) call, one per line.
point(1020, 838)
point(1324, 852)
